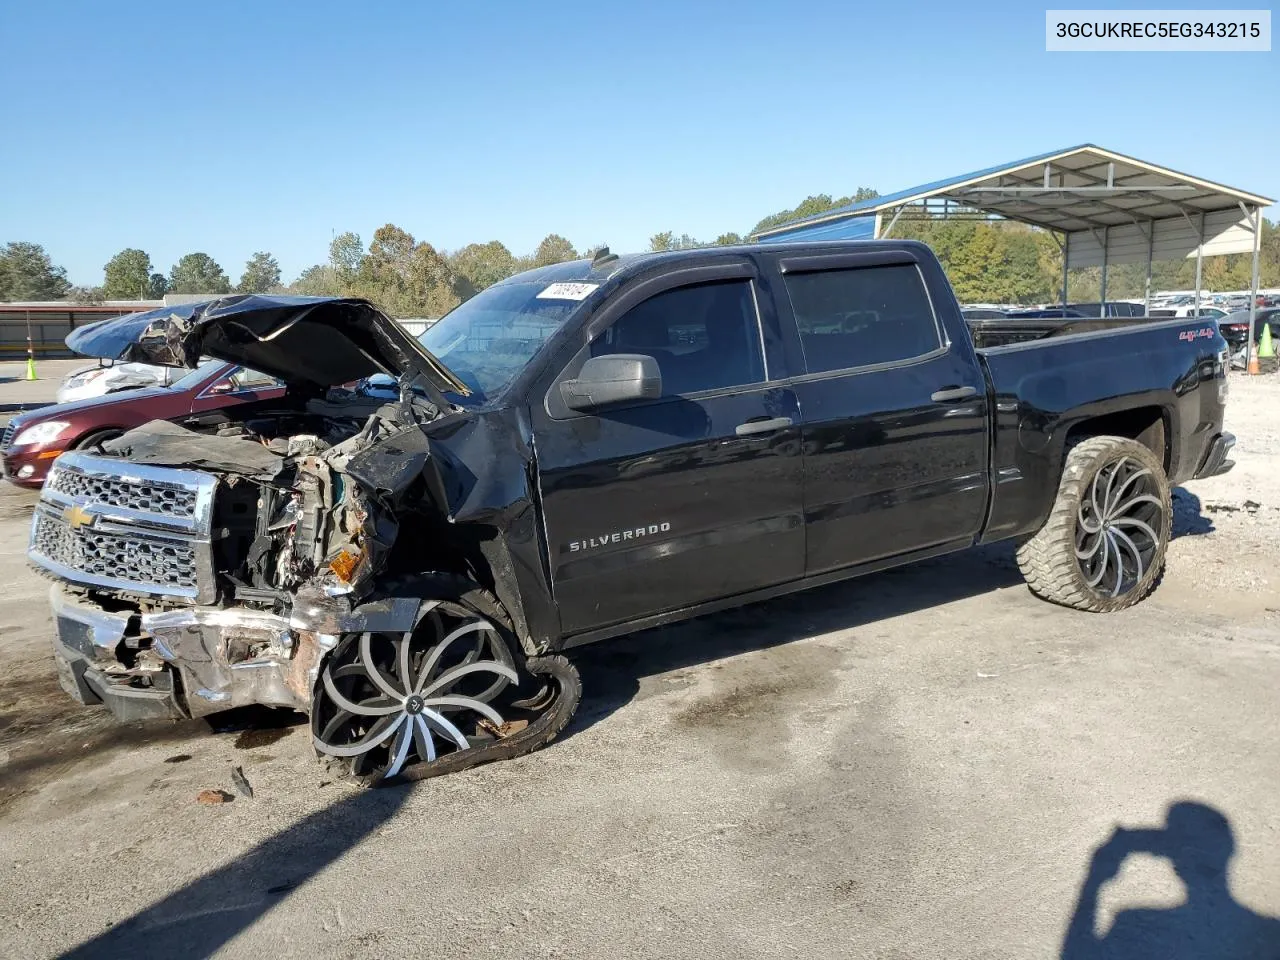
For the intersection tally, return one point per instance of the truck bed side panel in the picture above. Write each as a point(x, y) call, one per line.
point(1042, 389)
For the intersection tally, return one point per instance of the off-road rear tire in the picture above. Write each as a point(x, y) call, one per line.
point(1052, 561)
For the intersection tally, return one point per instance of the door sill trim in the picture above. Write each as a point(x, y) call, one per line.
point(756, 596)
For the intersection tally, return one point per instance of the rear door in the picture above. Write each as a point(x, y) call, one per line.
point(668, 503)
point(895, 407)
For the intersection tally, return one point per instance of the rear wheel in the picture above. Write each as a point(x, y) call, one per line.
point(452, 692)
point(1103, 547)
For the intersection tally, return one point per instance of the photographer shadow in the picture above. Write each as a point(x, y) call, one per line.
point(1199, 843)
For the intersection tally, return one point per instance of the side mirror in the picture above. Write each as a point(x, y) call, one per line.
point(222, 386)
point(616, 378)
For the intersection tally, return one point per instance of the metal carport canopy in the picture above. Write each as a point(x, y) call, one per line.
point(1105, 208)
point(1101, 200)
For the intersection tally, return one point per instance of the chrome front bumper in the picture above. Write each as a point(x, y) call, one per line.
point(223, 657)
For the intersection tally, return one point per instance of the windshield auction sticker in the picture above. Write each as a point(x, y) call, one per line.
point(1153, 31)
point(567, 291)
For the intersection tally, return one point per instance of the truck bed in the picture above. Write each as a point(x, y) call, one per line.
point(1155, 376)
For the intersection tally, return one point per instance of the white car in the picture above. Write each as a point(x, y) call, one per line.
point(1206, 312)
point(101, 379)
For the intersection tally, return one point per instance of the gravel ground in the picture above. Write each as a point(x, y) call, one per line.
point(918, 764)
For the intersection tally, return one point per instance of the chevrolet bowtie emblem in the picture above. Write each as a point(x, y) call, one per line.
point(77, 517)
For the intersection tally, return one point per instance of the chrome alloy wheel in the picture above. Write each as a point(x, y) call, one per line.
point(385, 699)
point(1116, 526)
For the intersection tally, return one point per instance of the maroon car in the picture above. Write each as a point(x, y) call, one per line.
point(33, 440)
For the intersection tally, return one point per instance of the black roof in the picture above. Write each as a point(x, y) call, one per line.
point(585, 270)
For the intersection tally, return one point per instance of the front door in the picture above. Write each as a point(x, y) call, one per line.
point(665, 504)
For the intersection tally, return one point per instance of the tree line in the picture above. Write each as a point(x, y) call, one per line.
point(405, 276)
point(987, 261)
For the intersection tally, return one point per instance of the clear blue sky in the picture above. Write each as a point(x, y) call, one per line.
point(233, 127)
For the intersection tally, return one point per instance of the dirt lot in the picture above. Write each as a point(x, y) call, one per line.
point(918, 764)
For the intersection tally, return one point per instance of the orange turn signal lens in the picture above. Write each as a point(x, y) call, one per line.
point(344, 565)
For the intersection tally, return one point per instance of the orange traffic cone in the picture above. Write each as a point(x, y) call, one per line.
point(1254, 367)
point(1265, 347)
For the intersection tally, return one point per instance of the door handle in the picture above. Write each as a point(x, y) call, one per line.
point(948, 394)
point(752, 427)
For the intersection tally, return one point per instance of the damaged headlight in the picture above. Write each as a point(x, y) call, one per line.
point(86, 376)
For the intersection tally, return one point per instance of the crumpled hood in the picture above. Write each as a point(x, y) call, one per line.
point(315, 341)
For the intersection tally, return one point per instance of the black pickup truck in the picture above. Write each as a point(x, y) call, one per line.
point(580, 452)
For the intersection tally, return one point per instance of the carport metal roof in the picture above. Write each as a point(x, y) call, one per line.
point(1104, 207)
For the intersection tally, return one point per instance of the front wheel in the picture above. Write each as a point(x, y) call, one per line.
point(1103, 547)
point(454, 691)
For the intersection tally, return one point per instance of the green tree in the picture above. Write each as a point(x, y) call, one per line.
point(316, 281)
point(261, 274)
point(88, 295)
point(991, 261)
point(158, 286)
point(812, 206)
point(1269, 254)
point(127, 275)
point(198, 273)
point(553, 249)
point(669, 241)
point(728, 239)
point(27, 273)
point(480, 265)
point(346, 250)
point(404, 277)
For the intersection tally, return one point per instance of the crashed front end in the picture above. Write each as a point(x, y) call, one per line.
point(196, 573)
point(209, 565)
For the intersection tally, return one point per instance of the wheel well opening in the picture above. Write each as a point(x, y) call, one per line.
point(95, 437)
point(1144, 424)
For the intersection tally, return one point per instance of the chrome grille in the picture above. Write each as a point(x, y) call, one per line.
point(6, 438)
point(124, 526)
point(169, 499)
point(163, 566)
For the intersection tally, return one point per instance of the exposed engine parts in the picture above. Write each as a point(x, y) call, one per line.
point(285, 512)
point(232, 562)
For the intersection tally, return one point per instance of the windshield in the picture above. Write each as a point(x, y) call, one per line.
point(189, 381)
point(490, 338)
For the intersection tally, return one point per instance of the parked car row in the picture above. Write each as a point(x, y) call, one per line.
point(1235, 326)
point(1112, 308)
point(1178, 309)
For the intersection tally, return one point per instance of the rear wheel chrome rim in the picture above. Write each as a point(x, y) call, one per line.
point(1119, 525)
point(388, 699)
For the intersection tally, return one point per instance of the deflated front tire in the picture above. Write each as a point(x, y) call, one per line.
point(452, 692)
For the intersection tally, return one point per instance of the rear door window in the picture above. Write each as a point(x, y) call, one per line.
point(862, 316)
